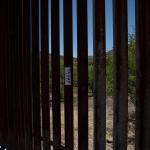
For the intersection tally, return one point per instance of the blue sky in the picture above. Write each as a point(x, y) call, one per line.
point(109, 25)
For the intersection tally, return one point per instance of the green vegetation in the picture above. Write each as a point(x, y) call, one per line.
point(131, 70)
point(109, 72)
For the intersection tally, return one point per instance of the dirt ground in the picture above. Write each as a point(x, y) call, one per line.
point(109, 122)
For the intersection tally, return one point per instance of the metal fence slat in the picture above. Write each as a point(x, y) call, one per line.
point(36, 76)
point(3, 73)
point(68, 79)
point(19, 78)
point(55, 56)
point(12, 75)
point(120, 74)
point(143, 75)
point(99, 75)
point(82, 53)
point(27, 73)
point(45, 74)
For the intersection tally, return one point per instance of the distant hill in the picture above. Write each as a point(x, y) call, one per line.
point(110, 52)
point(90, 58)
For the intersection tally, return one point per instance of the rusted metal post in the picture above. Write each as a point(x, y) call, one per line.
point(45, 74)
point(36, 76)
point(55, 39)
point(27, 73)
point(99, 76)
point(68, 66)
point(14, 61)
point(19, 78)
point(120, 74)
point(12, 85)
point(82, 48)
point(3, 73)
point(143, 75)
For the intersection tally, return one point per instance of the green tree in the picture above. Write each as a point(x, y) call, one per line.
point(131, 68)
point(109, 73)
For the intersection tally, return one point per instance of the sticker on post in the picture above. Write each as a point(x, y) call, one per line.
point(67, 75)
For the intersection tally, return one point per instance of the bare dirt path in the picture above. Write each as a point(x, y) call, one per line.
point(109, 122)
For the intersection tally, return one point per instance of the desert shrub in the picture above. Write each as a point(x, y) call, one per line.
point(109, 72)
point(131, 68)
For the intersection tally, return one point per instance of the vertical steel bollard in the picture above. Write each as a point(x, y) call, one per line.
point(55, 38)
point(120, 27)
point(36, 76)
point(143, 75)
point(82, 52)
point(45, 74)
point(68, 68)
point(99, 76)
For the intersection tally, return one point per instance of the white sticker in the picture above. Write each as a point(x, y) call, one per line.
point(67, 75)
